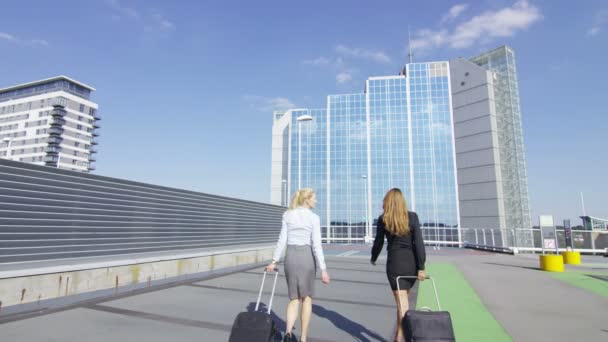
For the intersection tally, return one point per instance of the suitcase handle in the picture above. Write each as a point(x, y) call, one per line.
point(415, 277)
point(274, 285)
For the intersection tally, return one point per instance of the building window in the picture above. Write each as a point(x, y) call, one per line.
point(82, 108)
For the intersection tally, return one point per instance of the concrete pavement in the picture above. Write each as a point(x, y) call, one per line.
point(357, 305)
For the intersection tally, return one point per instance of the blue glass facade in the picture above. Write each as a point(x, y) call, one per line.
point(399, 133)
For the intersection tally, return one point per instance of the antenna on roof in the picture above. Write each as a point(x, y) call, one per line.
point(583, 204)
point(409, 44)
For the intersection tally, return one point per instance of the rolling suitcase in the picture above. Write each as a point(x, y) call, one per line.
point(427, 325)
point(256, 326)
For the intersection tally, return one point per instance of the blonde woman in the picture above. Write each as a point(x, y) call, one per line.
point(301, 232)
point(406, 254)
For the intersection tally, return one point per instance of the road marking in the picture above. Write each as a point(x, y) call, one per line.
point(347, 253)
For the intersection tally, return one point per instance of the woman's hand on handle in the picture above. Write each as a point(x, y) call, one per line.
point(271, 267)
point(421, 275)
point(325, 277)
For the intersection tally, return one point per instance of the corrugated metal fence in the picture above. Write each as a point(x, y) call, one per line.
point(48, 213)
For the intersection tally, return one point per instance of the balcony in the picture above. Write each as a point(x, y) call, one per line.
point(54, 140)
point(95, 133)
point(58, 112)
point(93, 150)
point(96, 124)
point(52, 149)
point(91, 167)
point(55, 131)
point(57, 121)
point(51, 159)
point(92, 158)
point(61, 102)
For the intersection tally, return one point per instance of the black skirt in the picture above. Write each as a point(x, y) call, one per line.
point(401, 262)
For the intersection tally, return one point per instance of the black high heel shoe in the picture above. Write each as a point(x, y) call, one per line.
point(290, 338)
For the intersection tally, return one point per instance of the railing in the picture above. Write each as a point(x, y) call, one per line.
point(497, 240)
point(529, 240)
point(355, 234)
point(49, 213)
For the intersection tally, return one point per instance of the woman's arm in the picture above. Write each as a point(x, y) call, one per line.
point(281, 243)
point(379, 240)
point(316, 242)
point(418, 244)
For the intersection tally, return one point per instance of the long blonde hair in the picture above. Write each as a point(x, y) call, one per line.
point(300, 197)
point(396, 219)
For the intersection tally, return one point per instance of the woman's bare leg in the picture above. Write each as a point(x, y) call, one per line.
point(402, 302)
point(306, 313)
point(292, 314)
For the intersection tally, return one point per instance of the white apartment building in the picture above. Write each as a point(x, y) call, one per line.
point(50, 122)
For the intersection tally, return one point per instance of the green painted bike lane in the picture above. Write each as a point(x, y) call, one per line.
point(471, 319)
point(585, 280)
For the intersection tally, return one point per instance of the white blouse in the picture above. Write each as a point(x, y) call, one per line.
point(301, 227)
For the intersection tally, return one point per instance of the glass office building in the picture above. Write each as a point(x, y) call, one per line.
point(398, 133)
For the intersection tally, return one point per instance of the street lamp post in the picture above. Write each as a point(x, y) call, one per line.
point(8, 142)
point(284, 192)
point(300, 119)
point(367, 232)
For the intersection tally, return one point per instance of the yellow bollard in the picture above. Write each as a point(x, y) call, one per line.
point(552, 263)
point(572, 258)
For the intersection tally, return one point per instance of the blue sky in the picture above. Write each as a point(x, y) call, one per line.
point(186, 88)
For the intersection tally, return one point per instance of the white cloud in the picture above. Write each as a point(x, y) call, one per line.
point(377, 56)
point(268, 104)
point(6, 36)
point(593, 31)
point(128, 11)
point(601, 19)
point(344, 77)
point(454, 12)
point(39, 42)
point(318, 61)
point(162, 22)
point(150, 20)
point(14, 39)
point(505, 22)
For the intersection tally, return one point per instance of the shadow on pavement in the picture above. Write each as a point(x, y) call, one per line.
point(353, 328)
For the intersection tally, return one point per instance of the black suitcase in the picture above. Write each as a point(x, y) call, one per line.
point(427, 325)
point(256, 326)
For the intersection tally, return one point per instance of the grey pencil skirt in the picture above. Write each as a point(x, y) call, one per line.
point(300, 271)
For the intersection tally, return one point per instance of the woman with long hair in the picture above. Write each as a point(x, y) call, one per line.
point(405, 249)
point(301, 232)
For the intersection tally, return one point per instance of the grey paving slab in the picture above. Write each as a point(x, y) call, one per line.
point(331, 321)
point(97, 326)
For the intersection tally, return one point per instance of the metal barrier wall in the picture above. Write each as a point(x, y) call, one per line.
point(49, 213)
point(583, 240)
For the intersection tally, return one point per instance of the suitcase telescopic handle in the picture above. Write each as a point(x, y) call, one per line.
point(274, 285)
point(415, 277)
